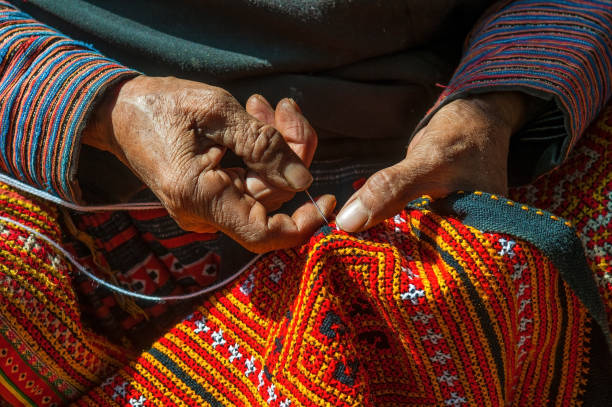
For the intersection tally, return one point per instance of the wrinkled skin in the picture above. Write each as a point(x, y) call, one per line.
point(173, 133)
point(463, 147)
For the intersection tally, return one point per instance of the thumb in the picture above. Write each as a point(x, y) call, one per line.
point(385, 194)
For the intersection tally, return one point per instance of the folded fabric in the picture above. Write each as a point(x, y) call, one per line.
point(422, 310)
point(472, 300)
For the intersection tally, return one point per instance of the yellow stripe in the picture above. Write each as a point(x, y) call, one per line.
point(482, 294)
point(398, 306)
point(477, 324)
point(450, 302)
point(234, 318)
point(208, 349)
point(20, 255)
point(524, 366)
point(42, 327)
point(177, 382)
point(298, 319)
point(540, 280)
point(153, 380)
point(145, 390)
point(8, 385)
point(49, 222)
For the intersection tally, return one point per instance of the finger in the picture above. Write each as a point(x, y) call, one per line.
point(258, 107)
point(306, 219)
point(283, 231)
point(260, 145)
point(245, 220)
point(209, 154)
point(387, 192)
point(302, 139)
point(296, 130)
point(268, 195)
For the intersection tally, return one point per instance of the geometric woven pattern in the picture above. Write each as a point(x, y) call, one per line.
point(582, 192)
point(421, 310)
point(148, 253)
point(47, 355)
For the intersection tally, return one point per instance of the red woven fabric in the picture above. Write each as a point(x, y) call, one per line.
point(421, 310)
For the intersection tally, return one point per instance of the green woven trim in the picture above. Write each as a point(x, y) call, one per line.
point(554, 236)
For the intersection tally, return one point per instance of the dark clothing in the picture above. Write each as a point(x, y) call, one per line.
point(361, 71)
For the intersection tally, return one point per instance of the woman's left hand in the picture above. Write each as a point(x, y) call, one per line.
point(463, 147)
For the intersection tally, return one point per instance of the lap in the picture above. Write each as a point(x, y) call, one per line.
point(424, 309)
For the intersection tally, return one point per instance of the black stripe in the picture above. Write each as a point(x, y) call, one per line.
point(163, 227)
point(117, 223)
point(560, 351)
point(482, 315)
point(184, 377)
point(128, 254)
point(194, 251)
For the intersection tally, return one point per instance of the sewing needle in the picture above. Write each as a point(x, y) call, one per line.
point(317, 206)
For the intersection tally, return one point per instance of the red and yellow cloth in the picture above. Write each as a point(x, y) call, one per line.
point(471, 300)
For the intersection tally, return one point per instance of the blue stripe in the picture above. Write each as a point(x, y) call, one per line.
point(68, 147)
point(59, 111)
point(25, 74)
point(558, 14)
point(605, 5)
point(595, 91)
point(552, 20)
point(520, 39)
point(38, 125)
point(28, 107)
point(10, 102)
point(517, 71)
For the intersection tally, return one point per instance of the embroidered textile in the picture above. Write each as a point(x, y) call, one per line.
point(464, 301)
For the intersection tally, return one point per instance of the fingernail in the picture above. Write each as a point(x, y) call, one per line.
point(255, 187)
point(289, 105)
point(297, 176)
point(326, 203)
point(353, 217)
point(263, 100)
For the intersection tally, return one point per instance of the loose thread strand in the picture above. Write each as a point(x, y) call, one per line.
point(122, 290)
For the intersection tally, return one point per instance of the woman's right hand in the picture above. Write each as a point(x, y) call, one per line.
point(172, 134)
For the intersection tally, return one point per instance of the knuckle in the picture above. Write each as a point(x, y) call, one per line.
point(245, 140)
point(219, 93)
point(381, 184)
point(210, 106)
point(267, 143)
point(219, 100)
point(260, 143)
point(254, 239)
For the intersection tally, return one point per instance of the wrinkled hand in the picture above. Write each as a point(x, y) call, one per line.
point(173, 134)
point(296, 131)
point(463, 147)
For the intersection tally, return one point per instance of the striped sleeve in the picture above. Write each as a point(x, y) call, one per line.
point(558, 50)
point(48, 85)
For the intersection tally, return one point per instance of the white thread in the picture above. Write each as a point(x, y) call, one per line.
point(317, 206)
point(121, 290)
point(137, 206)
